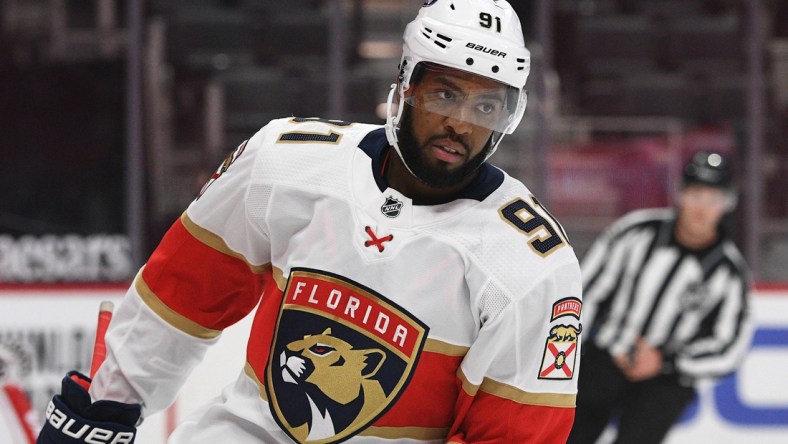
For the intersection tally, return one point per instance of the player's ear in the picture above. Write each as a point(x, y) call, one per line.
point(410, 91)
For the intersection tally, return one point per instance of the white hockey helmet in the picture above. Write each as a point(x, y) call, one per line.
point(482, 37)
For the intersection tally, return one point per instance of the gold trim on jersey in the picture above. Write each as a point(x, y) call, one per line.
point(511, 393)
point(444, 348)
point(172, 317)
point(422, 433)
point(279, 278)
point(217, 243)
point(260, 386)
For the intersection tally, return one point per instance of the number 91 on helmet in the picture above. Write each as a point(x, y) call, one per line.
point(480, 37)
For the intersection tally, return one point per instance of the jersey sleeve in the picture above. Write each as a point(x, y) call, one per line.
point(207, 273)
point(517, 383)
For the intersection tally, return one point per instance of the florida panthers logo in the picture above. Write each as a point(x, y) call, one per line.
point(560, 351)
point(340, 358)
point(558, 361)
point(335, 378)
point(229, 160)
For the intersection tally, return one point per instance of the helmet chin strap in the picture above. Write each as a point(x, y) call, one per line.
point(391, 132)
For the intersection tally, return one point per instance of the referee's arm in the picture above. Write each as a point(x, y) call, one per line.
point(721, 348)
point(601, 269)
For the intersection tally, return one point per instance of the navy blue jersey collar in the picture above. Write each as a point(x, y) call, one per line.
point(376, 146)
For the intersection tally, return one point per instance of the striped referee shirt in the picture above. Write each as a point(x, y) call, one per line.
point(692, 305)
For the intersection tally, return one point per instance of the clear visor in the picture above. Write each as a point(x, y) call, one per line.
point(463, 96)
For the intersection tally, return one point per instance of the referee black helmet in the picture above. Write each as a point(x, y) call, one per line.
point(710, 169)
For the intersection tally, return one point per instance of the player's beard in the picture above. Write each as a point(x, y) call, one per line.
point(413, 154)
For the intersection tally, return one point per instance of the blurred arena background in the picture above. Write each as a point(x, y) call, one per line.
point(113, 113)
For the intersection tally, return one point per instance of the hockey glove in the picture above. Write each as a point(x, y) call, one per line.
point(71, 418)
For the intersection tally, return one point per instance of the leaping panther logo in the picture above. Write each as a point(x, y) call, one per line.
point(558, 361)
point(560, 350)
point(333, 376)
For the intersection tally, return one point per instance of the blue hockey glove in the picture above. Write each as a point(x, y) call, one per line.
point(72, 419)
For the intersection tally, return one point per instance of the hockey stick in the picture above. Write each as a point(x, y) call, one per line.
point(99, 347)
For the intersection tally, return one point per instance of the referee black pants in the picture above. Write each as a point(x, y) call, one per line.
point(646, 410)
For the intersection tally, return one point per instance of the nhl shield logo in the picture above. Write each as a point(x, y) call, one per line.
point(694, 296)
point(391, 207)
point(340, 357)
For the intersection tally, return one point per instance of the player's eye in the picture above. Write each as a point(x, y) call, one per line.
point(486, 108)
point(321, 349)
point(447, 95)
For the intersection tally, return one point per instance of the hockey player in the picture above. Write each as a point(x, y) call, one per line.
point(666, 295)
point(406, 290)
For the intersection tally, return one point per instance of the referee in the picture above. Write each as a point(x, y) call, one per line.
point(665, 304)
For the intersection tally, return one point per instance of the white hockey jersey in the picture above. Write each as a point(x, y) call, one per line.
point(380, 317)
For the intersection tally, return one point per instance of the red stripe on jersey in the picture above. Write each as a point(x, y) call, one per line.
point(487, 418)
point(209, 287)
point(429, 398)
point(24, 411)
point(262, 333)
